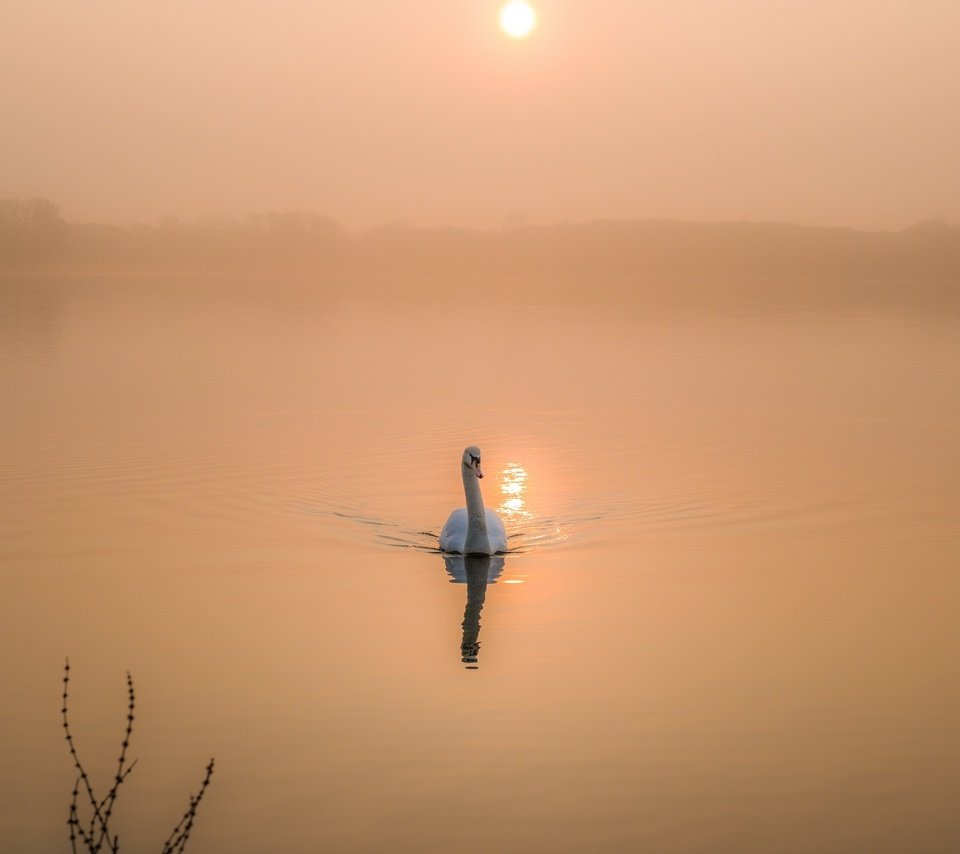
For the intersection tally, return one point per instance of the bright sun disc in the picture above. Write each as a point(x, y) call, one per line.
point(517, 19)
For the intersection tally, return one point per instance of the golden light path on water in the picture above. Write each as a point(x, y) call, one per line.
point(513, 506)
point(513, 482)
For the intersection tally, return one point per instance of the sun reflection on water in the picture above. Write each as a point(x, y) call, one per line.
point(513, 485)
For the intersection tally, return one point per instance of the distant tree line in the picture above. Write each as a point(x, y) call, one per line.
point(31, 232)
point(34, 237)
point(259, 243)
point(626, 248)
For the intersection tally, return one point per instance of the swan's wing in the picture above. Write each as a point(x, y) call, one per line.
point(496, 533)
point(454, 533)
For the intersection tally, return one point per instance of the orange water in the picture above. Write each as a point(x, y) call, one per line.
point(727, 621)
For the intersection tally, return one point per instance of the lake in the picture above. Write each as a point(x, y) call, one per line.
point(726, 621)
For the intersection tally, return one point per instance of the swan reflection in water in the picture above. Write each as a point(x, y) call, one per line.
point(476, 571)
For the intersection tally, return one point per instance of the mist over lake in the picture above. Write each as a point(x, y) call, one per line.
point(509, 426)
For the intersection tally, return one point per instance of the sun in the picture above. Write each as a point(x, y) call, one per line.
point(518, 19)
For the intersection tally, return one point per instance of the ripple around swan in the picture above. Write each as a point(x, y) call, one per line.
point(571, 490)
point(394, 535)
point(548, 496)
point(599, 519)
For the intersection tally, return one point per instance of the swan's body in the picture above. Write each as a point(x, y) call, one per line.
point(454, 536)
point(473, 530)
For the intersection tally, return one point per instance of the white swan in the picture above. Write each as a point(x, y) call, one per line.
point(473, 530)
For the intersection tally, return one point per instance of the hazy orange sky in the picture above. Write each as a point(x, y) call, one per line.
point(838, 112)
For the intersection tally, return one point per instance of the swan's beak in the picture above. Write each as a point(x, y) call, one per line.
point(476, 468)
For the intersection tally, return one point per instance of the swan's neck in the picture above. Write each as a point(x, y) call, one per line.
point(477, 541)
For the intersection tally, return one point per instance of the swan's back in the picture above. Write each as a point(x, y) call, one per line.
point(454, 533)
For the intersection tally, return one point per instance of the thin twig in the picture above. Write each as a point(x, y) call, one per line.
point(97, 815)
point(177, 840)
point(106, 805)
point(73, 821)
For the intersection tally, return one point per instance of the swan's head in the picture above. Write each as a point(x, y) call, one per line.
point(471, 459)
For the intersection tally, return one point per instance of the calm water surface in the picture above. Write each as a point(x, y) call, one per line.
point(727, 621)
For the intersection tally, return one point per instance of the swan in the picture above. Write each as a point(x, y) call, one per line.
point(473, 530)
